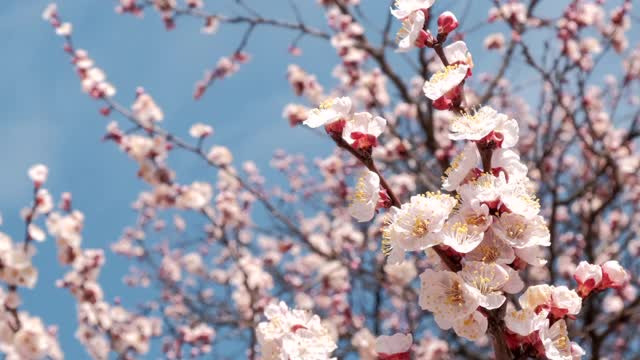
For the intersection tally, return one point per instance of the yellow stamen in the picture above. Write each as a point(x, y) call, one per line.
point(326, 104)
point(476, 220)
point(420, 227)
point(455, 163)
point(489, 253)
point(454, 294)
point(515, 231)
point(443, 74)
point(360, 192)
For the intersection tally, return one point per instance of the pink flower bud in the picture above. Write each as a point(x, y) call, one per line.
point(588, 277)
point(65, 203)
point(105, 111)
point(425, 39)
point(169, 23)
point(385, 201)
point(295, 51)
point(241, 57)
point(199, 91)
point(447, 22)
point(613, 275)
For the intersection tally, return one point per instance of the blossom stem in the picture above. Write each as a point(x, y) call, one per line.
point(496, 329)
point(485, 154)
point(440, 52)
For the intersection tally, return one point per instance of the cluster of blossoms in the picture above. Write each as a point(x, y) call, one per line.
point(609, 275)
point(17, 269)
point(492, 227)
point(22, 335)
point(488, 230)
point(225, 67)
point(103, 327)
point(445, 86)
point(28, 340)
point(93, 79)
point(293, 334)
point(579, 47)
point(345, 41)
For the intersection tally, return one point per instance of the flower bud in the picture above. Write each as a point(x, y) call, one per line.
point(38, 174)
point(588, 277)
point(447, 22)
point(425, 39)
point(613, 275)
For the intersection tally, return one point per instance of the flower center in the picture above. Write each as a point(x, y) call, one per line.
point(476, 220)
point(519, 315)
point(360, 193)
point(460, 231)
point(562, 342)
point(326, 104)
point(454, 294)
point(420, 227)
point(489, 253)
point(455, 163)
point(481, 283)
point(443, 74)
point(516, 230)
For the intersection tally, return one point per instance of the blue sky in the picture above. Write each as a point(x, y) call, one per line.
point(46, 119)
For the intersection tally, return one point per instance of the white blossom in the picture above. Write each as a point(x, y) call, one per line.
point(38, 174)
point(404, 8)
point(329, 111)
point(200, 130)
point(411, 227)
point(365, 196)
point(488, 279)
point(363, 129)
point(566, 300)
point(145, 110)
point(477, 125)
point(447, 295)
point(220, 155)
point(588, 277)
point(64, 29)
point(508, 161)
point(492, 249)
point(614, 274)
point(465, 230)
point(471, 327)
point(555, 340)
point(410, 31)
point(460, 167)
point(445, 80)
point(524, 322)
point(293, 335)
point(395, 344)
point(456, 53)
point(521, 232)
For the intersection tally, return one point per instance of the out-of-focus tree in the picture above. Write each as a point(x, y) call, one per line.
point(456, 217)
